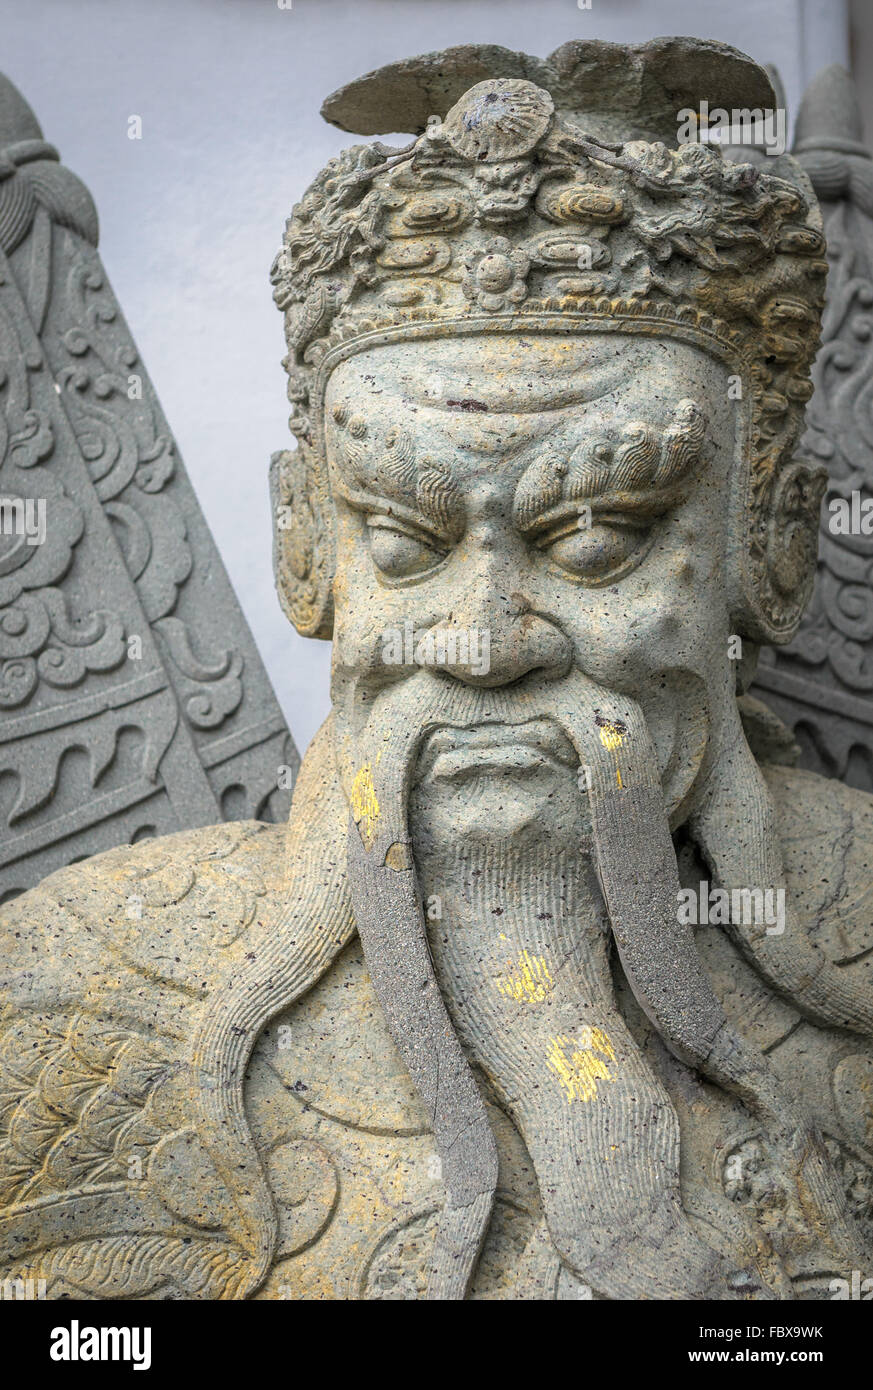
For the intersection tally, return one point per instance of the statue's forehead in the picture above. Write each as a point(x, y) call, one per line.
point(524, 374)
point(468, 401)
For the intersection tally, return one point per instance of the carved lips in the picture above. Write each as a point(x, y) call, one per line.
point(496, 748)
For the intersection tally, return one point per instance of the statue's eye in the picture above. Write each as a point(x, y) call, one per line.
point(399, 554)
point(599, 552)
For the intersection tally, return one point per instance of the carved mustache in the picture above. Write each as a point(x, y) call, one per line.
point(453, 753)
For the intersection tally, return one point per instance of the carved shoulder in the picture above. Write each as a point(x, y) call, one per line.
point(169, 910)
point(827, 844)
point(106, 969)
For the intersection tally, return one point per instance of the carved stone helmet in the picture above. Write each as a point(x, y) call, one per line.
point(552, 196)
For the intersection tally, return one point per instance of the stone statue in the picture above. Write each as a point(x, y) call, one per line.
point(820, 684)
point(551, 989)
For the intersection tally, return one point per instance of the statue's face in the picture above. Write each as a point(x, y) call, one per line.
point(446, 459)
point(533, 560)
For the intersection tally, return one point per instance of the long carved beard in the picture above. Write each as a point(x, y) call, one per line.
point(529, 993)
point(522, 955)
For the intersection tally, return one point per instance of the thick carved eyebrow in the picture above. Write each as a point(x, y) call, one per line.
point(646, 464)
point(389, 467)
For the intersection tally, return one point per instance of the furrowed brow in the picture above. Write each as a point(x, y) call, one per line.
point(646, 459)
point(389, 465)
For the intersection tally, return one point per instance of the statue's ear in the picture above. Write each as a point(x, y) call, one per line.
point(302, 543)
point(781, 551)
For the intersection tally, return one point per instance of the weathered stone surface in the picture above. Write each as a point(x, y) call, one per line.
point(820, 684)
point(133, 701)
point(587, 78)
point(95, 1083)
point(551, 989)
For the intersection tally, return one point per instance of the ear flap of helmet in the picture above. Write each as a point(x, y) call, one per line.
point(780, 552)
point(303, 545)
point(778, 546)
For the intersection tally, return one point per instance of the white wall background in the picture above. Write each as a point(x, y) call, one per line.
point(192, 214)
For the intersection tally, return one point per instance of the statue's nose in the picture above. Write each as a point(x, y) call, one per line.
point(503, 644)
